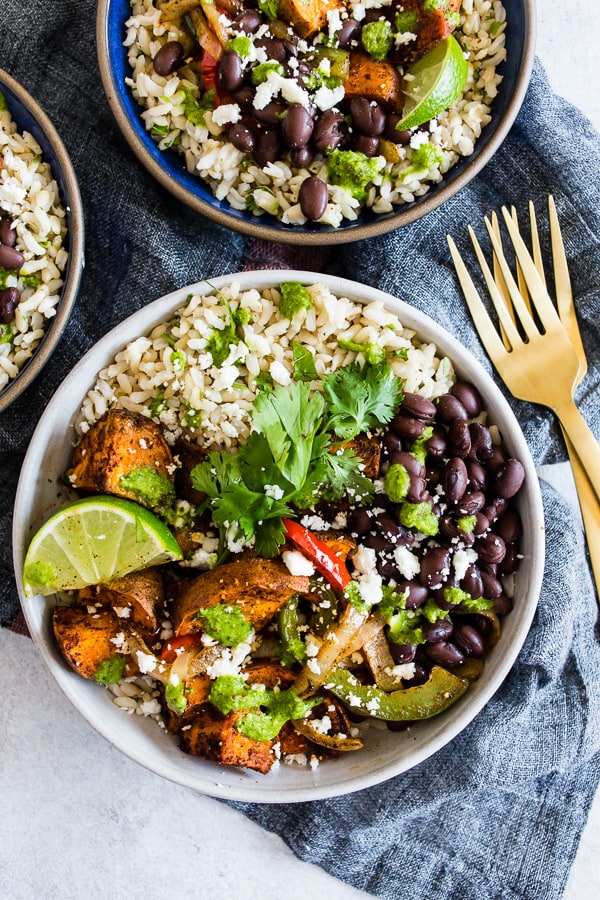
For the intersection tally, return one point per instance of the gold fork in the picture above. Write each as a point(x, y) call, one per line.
point(590, 508)
point(542, 368)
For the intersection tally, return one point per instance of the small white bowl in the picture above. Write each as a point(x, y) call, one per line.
point(386, 753)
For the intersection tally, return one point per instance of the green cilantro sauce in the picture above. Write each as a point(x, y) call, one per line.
point(110, 670)
point(294, 298)
point(230, 693)
point(225, 623)
point(149, 486)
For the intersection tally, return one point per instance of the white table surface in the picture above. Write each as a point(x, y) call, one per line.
point(79, 820)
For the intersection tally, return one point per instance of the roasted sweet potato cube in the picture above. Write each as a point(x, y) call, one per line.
point(119, 443)
point(379, 81)
point(432, 28)
point(215, 737)
point(272, 675)
point(188, 455)
point(368, 449)
point(258, 586)
point(142, 593)
point(196, 692)
point(87, 640)
point(307, 16)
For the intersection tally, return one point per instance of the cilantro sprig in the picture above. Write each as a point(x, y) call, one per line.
point(296, 454)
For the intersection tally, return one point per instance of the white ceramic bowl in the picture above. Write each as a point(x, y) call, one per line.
point(29, 117)
point(386, 753)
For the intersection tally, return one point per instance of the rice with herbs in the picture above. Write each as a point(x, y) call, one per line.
point(30, 201)
point(405, 172)
point(170, 375)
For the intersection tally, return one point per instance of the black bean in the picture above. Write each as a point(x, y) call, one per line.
point(450, 408)
point(508, 526)
point(10, 258)
point(348, 32)
point(459, 438)
point(392, 531)
point(471, 503)
point(416, 594)
point(274, 48)
point(445, 653)
point(391, 133)
point(402, 653)
point(498, 457)
point(478, 477)
point(249, 21)
point(242, 137)
point(367, 116)
point(492, 588)
point(455, 479)
point(437, 631)
point(267, 148)
point(437, 443)
point(418, 407)
point(407, 427)
point(469, 396)
point(481, 523)
point(392, 444)
point(469, 640)
point(9, 300)
point(367, 144)
point(330, 131)
point(168, 58)
point(375, 542)
point(508, 478)
point(410, 463)
point(511, 560)
point(302, 157)
point(359, 521)
point(387, 568)
point(481, 442)
point(271, 114)
point(244, 99)
point(503, 605)
point(230, 72)
point(472, 582)
point(313, 198)
point(435, 567)
point(495, 508)
point(491, 548)
point(416, 489)
point(297, 126)
point(8, 235)
point(433, 473)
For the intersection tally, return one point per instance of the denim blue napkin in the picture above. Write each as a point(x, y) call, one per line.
point(497, 813)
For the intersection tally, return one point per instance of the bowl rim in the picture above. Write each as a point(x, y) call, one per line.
point(348, 234)
point(74, 209)
point(152, 753)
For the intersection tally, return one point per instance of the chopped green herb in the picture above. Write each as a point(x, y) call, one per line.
point(261, 72)
point(241, 45)
point(373, 353)
point(304, 363)
point(194, 110)
point(360, 398)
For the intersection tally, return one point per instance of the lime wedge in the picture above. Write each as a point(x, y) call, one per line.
point(95, 540)
point(438, 79)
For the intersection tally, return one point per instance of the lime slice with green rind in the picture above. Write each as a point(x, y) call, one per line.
point(437, 81)
point(93, 541)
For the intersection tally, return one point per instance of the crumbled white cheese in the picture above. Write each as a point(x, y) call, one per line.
point(315, 523)
point(120, 642)
point(407, 562)
point(274, 491)
point(326, 98)
point(297, 563)
point(280, 373)
point(461, 561)
point(146, 661)
point(404, 670)
point(123, 612)
point(323, 726)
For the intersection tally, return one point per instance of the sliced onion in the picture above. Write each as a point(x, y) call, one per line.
point(334, 647)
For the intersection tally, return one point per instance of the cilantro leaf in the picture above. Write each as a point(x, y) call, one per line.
point(360, 398)
point(304, 363)
point(289, 418)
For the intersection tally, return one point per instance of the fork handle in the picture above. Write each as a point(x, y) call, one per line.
point(590, 511)
point(583, 441)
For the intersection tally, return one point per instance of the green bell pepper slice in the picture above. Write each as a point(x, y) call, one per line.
point(422, 701)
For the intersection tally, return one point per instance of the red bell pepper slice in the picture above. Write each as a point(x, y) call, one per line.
point(170, 647)
point(208, 69)
point(325, 560)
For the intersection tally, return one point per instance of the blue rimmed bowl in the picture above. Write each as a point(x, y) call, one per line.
point(169, 169)
point(28, 116)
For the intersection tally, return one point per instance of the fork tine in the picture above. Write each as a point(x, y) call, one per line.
point(562, 281)
point(506, 322)
point(539, 295)
point(485, 327)
point(535, 243)
point(499, 279)
point(523, 290)
point(519, 306)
